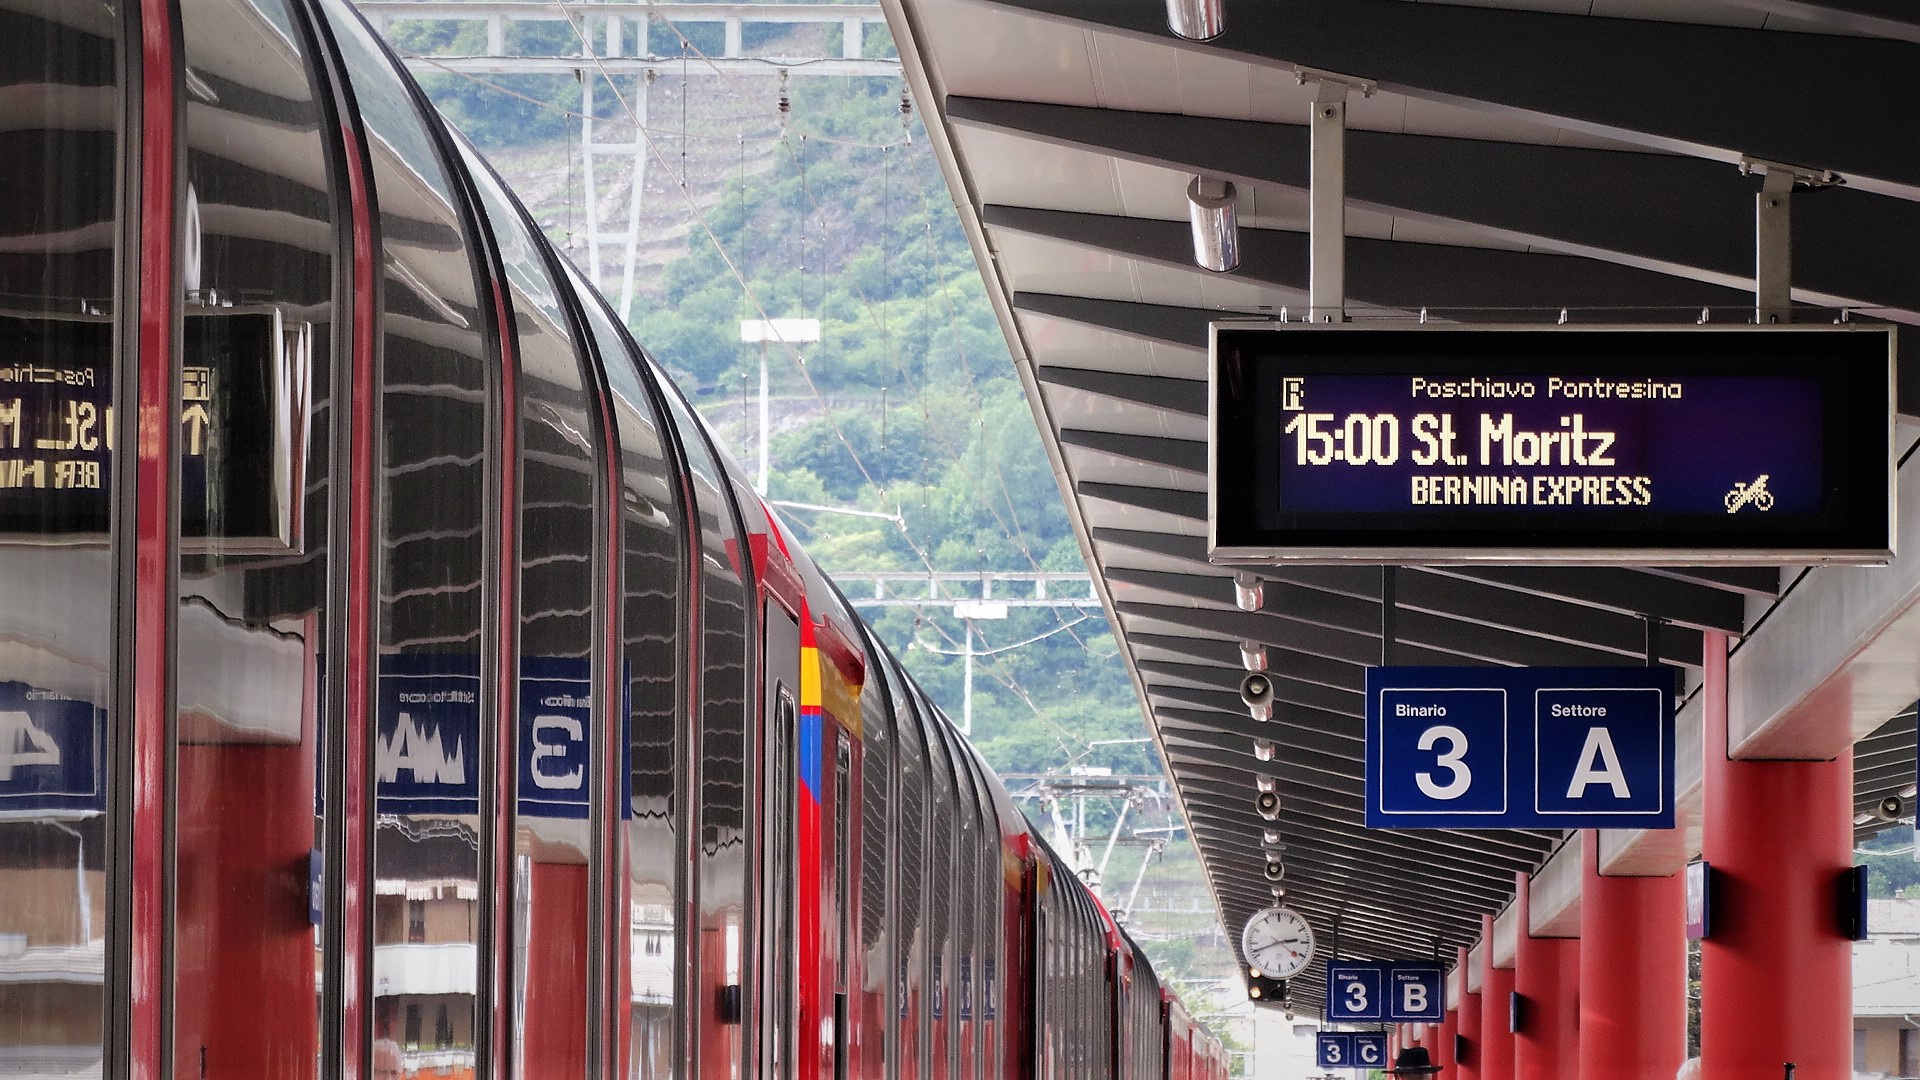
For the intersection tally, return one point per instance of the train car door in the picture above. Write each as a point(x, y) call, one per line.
point(779, 859)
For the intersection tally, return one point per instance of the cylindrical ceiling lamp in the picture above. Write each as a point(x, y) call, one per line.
point(1216, 228)
point(1196, 20)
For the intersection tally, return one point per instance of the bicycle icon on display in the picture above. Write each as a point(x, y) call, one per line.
point(1755, 495)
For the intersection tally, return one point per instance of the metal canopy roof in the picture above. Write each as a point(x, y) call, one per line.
point(1515, 160)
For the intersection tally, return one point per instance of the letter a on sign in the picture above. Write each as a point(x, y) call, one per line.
point(1599, 764)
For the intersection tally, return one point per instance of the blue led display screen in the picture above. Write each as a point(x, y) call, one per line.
point(1753, 442)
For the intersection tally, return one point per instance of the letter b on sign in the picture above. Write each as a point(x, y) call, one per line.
point(1419, 993)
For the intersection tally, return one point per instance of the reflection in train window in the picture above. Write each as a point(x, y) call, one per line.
point(431, 513)
point(722, 835)
point(911, 915)
point(880, 1033)
point(652, 565)
point(558, 451)
point(59, 113)
point(257, 273)
point(940, 844)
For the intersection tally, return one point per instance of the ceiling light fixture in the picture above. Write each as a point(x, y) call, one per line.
point(1216, 226)
point(1247, 591)
point(1196, 20)
point(1253, 656)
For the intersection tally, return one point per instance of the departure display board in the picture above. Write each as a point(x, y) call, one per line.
point(244, 381)
point(1751, 445)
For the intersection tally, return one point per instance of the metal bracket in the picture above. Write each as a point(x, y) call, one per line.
point(1305, 75)
point(1799, 175)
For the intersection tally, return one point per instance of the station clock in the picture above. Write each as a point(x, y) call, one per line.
point(1277, 943)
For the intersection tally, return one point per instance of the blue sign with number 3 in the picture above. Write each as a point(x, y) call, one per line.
point(1333, 1050)
point(1519, 748)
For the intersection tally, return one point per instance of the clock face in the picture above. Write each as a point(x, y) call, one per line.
point(1277, 942)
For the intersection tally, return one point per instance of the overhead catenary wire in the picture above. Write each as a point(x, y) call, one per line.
point(706, 227)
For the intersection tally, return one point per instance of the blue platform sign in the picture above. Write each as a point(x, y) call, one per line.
point(1356, 991)
point(1369, 1049)
point(1381, 991)
point(1333, 1050)
point(1416, 993)
point(1519, 748)
point(426, 752)
point(51, 752)
point(556, 725)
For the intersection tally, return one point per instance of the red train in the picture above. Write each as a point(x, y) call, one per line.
point(395, 678)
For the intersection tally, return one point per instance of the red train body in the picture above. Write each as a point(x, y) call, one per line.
point(395, 678)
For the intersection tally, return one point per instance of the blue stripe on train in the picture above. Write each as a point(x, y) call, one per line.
point(810, 761)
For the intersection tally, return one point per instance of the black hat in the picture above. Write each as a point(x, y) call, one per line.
point(1413, 1061)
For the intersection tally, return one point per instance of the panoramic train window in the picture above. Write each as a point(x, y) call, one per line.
point(258, 238)
point(60, 80)
point(651, 612)
point(880, 1032)
point(940, 844)
point(910, 956)
point(431, 512)
point(558, 452)
point(720, 960)
point(960, 1056)
point(987, 901)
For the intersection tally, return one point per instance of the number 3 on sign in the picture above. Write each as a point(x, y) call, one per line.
point(1453, 759)
point(1357, 1003)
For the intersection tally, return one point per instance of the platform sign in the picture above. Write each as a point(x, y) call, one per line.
point(1389, 991)
point(1699, 882)
point(1356, 991)
point(52, 752)
point(556, 729)
point(1519, 748)
point(426, 752)
point(1369, 1049)
point(1416, 993)
point(1529, 444)
point(1333, 1050)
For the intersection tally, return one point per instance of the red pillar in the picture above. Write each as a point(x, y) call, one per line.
point(244, 942)
point(1776, 975)
point(1633, 1007)
point(555, 1034)
point(1441, 1047)
point(1546, 973)
point(1496, 995)
point(1467, 1065)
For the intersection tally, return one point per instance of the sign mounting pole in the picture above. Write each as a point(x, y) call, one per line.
point(1773, 248)
point(1327, 193)
point(1773, 233)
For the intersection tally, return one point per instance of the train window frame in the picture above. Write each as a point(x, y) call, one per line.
point(633, 387)
point(910, 911)
point(513, 230)
point(878, 937)
point(712, 496)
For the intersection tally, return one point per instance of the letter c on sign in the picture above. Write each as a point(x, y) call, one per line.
point(1452, 759)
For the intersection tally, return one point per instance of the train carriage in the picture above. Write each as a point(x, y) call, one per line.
point(391, 657)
